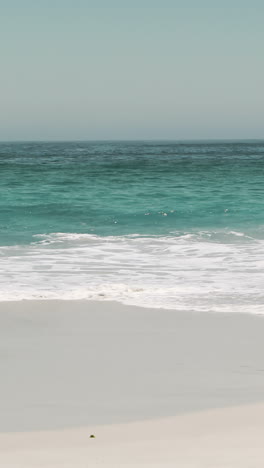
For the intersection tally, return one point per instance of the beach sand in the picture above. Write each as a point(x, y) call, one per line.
point(225, 438)
point(156, 387)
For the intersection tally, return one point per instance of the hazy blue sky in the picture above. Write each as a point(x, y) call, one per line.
point(183, 70)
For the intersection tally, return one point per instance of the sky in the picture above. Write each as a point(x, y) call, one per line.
point(98, 70)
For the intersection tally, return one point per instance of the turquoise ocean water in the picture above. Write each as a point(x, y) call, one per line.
point(170, 224)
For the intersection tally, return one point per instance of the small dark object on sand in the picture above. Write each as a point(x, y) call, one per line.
point(92, 436)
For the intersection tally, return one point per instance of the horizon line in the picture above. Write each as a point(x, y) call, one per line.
point(105, 140)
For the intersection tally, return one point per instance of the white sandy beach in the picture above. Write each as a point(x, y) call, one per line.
point(156, 387)
point(223, 438)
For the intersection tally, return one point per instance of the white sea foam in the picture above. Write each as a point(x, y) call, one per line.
point(218, 272)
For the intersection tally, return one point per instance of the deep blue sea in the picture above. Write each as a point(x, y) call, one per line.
point(163, 224)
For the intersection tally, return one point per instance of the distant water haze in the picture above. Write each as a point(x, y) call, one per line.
point(70, 70)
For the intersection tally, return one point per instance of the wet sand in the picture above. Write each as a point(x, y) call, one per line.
point(69, 368)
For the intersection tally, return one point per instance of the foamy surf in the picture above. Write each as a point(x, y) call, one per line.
point(203, 271)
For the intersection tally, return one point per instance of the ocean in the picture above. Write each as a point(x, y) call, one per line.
point(177, 225)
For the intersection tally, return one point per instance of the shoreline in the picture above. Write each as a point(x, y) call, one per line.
point(118, 304)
